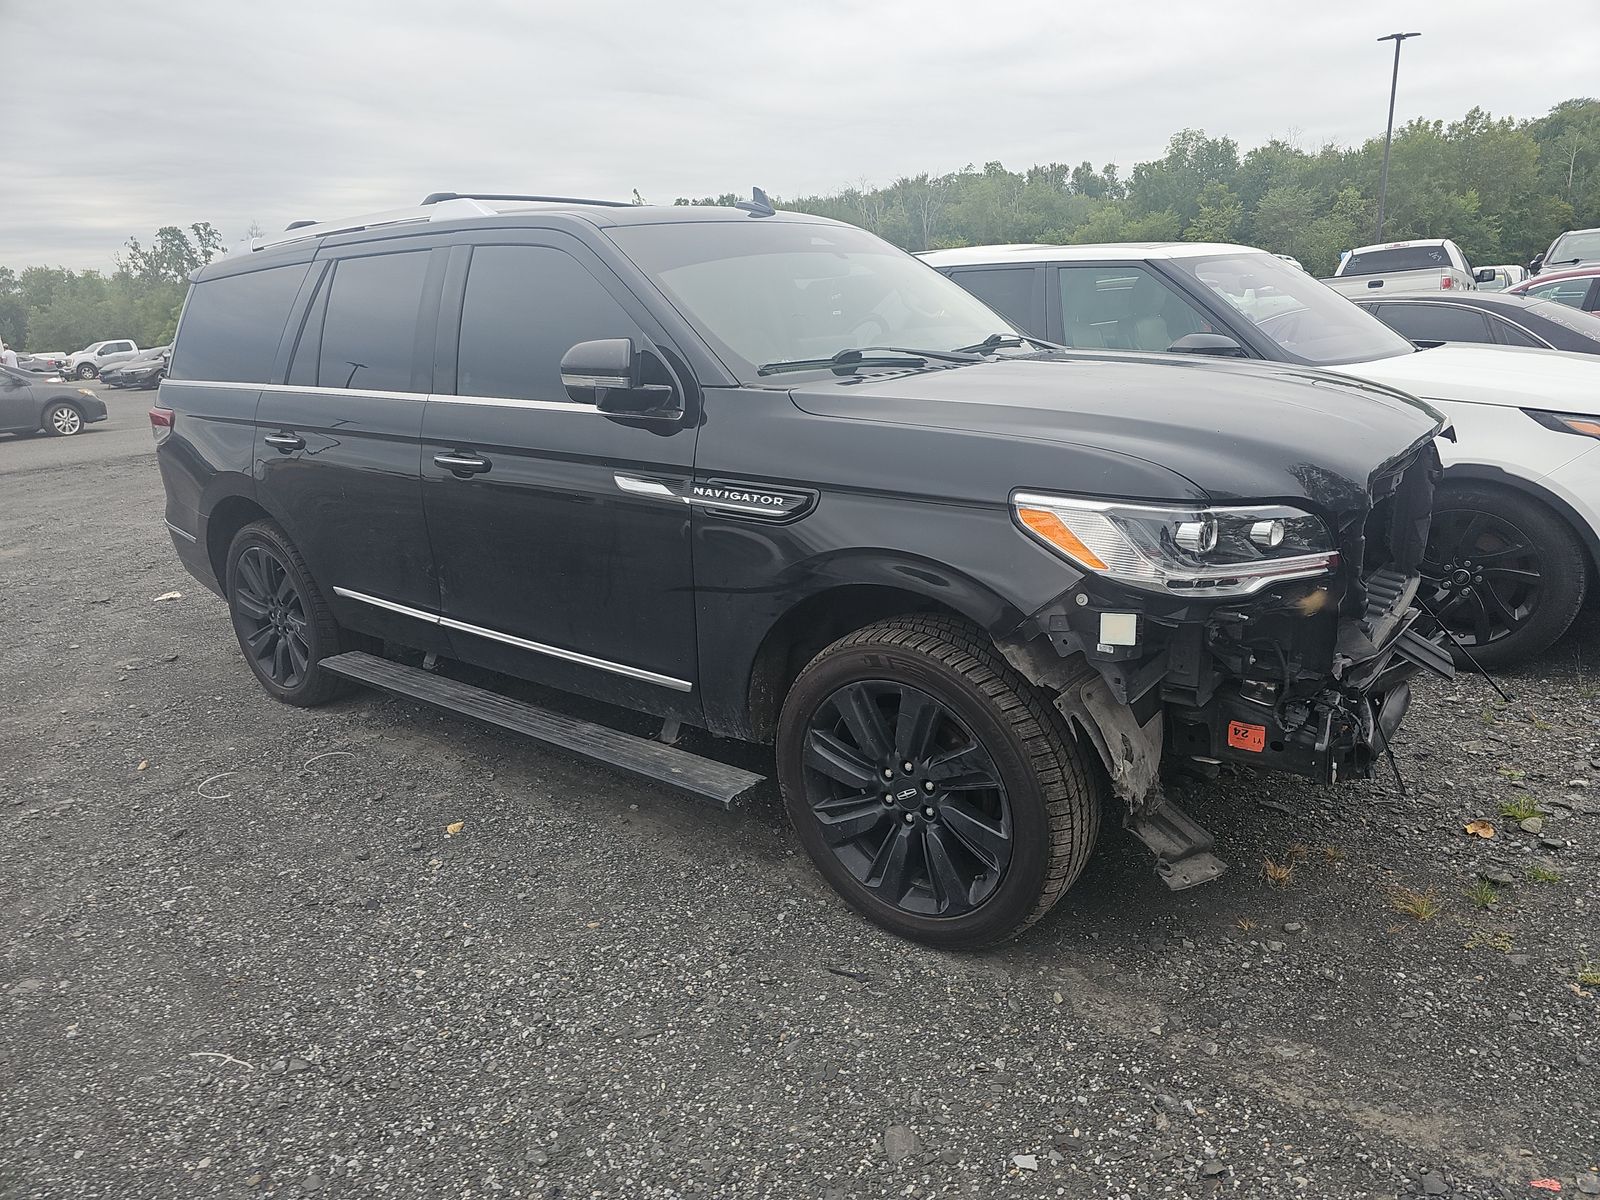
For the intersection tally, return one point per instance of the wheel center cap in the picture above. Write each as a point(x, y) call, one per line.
point(1460, 577)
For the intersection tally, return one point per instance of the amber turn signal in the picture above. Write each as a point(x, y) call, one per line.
point(1045, 524)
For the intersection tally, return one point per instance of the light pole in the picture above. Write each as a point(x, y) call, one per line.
point(1388, 137)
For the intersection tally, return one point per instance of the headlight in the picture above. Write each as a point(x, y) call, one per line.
point(85, 392)
point(1181, 551)
point(1566, 422)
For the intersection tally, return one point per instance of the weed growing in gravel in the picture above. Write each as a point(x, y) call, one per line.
point(1245, 923)
point(1279, 875)
point(1487, 716)
point(1520, 808)
point(1334, 854)
point(1542, 726)
point(1539, 874)
point(1484, 894)
point(1510, 772)
point(1588, 973)
point(1297, 851)
point(1489, 939)
point(1423, 906)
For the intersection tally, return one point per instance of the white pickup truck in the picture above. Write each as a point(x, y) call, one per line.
point(1433, 265)
point(86, 363)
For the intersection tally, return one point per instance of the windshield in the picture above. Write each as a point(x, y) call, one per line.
point(1307, 320)
point(1579, 322)
point(1575, 247)
point(771, 291)
point(1397, 258)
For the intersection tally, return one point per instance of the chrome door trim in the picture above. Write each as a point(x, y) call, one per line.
point(439, 397)
point(183, 533)
point(573, 656)
point(645, 487)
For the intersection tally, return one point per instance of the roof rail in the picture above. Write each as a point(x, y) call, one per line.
point(444, 210)
point(441, 197)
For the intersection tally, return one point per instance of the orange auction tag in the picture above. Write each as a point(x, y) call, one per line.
point(1247, 737)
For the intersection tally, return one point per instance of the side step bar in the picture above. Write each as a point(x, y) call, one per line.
point(702, 778)
point(1182, 848)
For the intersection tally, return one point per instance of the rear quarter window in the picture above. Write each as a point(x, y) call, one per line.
point(232, 326)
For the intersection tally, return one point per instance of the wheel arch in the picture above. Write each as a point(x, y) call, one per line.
point(824, 616)
point(1587, 536)
point(229, 515)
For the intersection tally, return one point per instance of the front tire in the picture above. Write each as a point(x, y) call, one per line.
point(1502, 572)
point(283, 624)
point(932, 786)
point(86, 371)
point(63, 420)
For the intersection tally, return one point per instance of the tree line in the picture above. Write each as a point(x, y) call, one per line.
point(1501, 187)
point(52, 308)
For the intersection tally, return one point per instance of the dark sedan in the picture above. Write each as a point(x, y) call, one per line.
point(1429, 319)
point(144, 370)
point(28, 405)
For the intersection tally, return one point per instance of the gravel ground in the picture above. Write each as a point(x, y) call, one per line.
point(244, 957)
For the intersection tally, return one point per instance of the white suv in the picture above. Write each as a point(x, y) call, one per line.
point(1515, 543)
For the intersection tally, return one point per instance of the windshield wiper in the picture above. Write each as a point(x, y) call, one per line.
point(1564, 262)
point(1004, 341)
point(856, 356)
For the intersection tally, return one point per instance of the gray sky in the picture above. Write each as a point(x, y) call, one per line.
point(122, 115)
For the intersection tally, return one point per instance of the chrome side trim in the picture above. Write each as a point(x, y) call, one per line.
point(487, 401)
point(645, 487)
point(573, 656)
point(183, 533)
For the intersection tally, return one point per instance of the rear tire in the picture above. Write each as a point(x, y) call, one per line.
point(1504, 573)
point(998, 814)
point(86, 371)
point(63, 420)
point(283, 624)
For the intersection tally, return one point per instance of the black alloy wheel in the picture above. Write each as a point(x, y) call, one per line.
point(934, 787)
point(283, 624)
point(271, 617)
point(1502, 573)
point(909, 801)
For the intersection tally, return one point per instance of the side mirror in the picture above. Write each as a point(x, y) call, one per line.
point(608, 373)
point(1484, 275)
point(1217, 344)
point(1535, 264)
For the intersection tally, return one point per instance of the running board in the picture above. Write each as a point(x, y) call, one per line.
point(702, 778)
point(1182, 848)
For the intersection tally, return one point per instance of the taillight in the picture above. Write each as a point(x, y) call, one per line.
point(161, 420)
point(1447, 282)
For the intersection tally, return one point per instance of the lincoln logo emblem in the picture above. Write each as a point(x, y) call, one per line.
point(907, 794)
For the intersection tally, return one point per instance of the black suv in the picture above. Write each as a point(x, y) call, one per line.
point(765, 474)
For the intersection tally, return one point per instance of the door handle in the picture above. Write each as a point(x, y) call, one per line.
point(285, 442)
point(462, 464)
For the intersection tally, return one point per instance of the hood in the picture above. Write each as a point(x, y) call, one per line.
point(1234, 430)
point(1505, 375)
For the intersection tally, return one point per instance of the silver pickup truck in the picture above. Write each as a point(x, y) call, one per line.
point(1423, 266)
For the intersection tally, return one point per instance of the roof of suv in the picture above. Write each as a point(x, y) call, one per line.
point(1038, 252)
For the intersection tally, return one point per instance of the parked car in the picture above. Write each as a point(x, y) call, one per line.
point(43, 362)
point(1576, 289)
point(1517, 525)
point(88, 362)
point(1427, 319)
point(144, 370)
point(1499, 277)
point(29, 404)
point(765, 474)
point(1574, 248)
point(1429, 265)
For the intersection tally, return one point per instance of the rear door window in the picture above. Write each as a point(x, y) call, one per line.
point(1511, 335)
point(370, 333)
point(1436, 323)
point(1124, 308)
point(1012, 292)
point(232, 326)
point(1571, 292)
point(525, 307)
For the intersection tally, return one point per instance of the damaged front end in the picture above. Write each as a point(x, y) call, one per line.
point(1293, 655)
